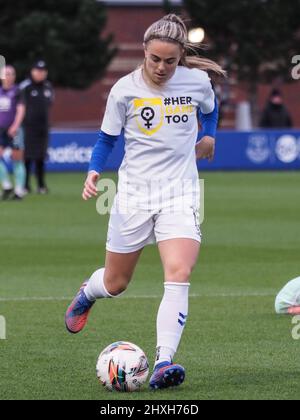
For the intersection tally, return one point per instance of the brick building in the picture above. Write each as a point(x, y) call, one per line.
point(127, 20)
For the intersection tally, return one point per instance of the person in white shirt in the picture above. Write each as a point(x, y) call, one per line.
point(288, 299)
point(158, 196)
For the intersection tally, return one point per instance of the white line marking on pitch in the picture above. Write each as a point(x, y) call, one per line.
point(64, 298)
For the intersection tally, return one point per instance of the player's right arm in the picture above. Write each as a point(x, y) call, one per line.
point(90, 185)
point(112, 125)
point(101, 151)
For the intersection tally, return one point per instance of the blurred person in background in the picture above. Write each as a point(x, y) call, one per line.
point(38, 95)
point(12, 111)
point(275, 114)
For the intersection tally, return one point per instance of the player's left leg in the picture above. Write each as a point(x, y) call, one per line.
point(18, 164)
point(178, 257)
point(4, 175)
point(19, 173)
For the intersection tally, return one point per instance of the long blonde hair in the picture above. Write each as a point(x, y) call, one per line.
point(171, 28)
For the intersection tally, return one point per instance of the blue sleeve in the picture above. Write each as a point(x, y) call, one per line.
point(209, 121)
point(101, 151)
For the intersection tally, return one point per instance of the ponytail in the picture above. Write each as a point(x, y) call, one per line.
point(171, 28)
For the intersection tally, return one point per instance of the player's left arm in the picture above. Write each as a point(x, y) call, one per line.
point(205, 148)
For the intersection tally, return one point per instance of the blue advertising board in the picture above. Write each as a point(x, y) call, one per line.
point(255, 150)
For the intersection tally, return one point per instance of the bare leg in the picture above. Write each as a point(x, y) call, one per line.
point(119, 269)
point(19, 172)
point(178, 257)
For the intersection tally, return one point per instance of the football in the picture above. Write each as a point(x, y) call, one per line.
point(122, 366)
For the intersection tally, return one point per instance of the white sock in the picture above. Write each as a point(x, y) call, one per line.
point(95, 289)
point(7, 185)
point(19, 191)
point(171, 319)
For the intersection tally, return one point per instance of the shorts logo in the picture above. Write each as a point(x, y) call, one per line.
point(149, 114)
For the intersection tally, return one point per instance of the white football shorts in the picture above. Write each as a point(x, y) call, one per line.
point(132, 230)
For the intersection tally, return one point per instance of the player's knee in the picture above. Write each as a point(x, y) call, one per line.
point(178, 273)
point(117, 284)
point(17, 155)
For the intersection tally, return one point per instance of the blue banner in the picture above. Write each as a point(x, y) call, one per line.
point(256, 150)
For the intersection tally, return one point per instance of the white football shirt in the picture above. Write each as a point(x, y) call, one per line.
point(160, 130)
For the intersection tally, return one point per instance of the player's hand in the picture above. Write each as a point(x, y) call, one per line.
point(12, 131)
point(90, 189)
point(205, 148)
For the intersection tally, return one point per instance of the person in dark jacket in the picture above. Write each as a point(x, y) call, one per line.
point(38, 95)
point(276, 115)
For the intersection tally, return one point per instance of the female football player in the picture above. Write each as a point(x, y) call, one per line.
point(158, 192)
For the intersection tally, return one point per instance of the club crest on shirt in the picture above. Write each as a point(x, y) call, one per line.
point(149, 114)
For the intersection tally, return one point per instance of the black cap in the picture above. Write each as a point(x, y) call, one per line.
point(40, 64)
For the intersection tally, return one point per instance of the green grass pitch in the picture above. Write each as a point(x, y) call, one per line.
point(234, 346)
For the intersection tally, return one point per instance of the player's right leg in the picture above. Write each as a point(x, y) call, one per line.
point(128, 233)
point(106, 282)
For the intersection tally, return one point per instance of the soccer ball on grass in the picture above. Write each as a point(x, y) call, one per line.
point(122, 366)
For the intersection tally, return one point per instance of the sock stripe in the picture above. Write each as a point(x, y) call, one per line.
point(172, 316)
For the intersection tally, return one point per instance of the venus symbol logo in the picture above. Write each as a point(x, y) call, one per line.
point(149, 114)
